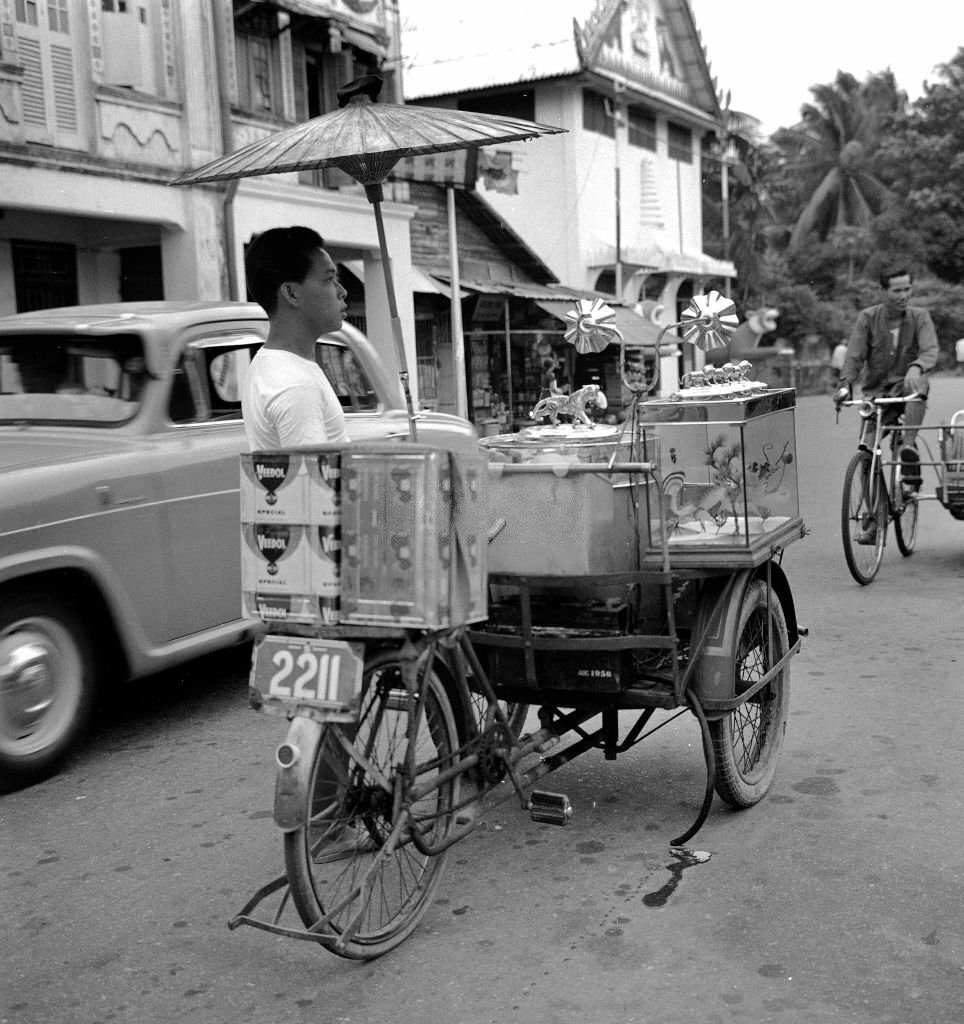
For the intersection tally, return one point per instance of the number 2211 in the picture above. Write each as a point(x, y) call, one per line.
point(317, 678)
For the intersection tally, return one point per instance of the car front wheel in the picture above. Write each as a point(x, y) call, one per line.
point(46, 685)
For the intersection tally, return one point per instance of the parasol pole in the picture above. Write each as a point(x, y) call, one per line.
point(375, 195)
point(507, 329)
point(458, 337)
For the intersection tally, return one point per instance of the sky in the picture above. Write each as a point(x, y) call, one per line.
point(769, 52)
point(766, 52)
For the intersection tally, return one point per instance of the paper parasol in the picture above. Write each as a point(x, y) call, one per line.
point(366, 139)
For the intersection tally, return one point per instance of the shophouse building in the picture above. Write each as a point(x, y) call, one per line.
point(104, 102)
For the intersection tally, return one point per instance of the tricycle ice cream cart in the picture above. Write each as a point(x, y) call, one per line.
point(417, 602)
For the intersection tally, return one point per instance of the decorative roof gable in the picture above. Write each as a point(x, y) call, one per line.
point(652, 45)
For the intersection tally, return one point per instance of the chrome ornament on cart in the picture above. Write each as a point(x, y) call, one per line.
point(731, 380)
point(559, 403)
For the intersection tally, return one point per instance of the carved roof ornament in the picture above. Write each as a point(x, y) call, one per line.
point(640, 32)
point(652, 43)
point(592, 35)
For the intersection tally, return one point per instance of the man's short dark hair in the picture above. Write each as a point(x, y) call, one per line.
point(890, 272)
point(276, 256)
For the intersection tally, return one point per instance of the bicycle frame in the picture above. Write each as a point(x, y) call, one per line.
point(875, 494)
point(882, 472)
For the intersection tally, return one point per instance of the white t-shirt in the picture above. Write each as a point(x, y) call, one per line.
point(288, 401)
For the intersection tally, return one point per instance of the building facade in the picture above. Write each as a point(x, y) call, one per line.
point(104, 102)
point(615, 204)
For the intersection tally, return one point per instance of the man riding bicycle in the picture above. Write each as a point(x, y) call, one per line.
point(897, 344)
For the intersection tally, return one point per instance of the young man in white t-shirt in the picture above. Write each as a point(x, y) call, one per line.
point(287, 399)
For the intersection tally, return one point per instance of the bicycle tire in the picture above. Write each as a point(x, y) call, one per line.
point(747, 741)
point(905, 514)
point(352, 808)
point(863, 560)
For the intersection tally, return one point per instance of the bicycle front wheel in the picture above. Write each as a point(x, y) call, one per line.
point(354, 869)
point(863, 524)
point(905, 514)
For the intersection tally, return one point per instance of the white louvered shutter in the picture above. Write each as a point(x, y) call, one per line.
point(49, 90)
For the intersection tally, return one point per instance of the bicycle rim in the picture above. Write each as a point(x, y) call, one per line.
point(905, 525)
point(350, 863)
point(864, 504)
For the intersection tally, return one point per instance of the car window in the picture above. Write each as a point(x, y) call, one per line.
point(209, 378)
point(347, 376)
point(68, 379)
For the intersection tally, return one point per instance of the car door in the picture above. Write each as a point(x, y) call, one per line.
point(200, 478)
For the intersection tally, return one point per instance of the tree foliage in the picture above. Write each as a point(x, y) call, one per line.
point(830, 154)
point(922, 158)
point(866, 180)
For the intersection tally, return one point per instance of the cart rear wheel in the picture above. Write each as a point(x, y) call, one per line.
point(863, 524)
point(516, 714)
point(348, 861)
point(748, 740)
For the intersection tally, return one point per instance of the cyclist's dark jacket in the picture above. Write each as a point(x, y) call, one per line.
point(871, 343)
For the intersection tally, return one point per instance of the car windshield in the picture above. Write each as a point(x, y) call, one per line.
point(55, 378)
point(352, 386)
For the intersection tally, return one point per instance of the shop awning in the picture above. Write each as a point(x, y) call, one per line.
point(422, 283)
point(658, 260)
point(635, 329)
point(365, 37)
point(426, 284)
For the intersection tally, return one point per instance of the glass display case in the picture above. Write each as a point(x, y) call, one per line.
point(728, 476)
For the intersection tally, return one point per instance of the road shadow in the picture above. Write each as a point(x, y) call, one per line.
point(203, 685)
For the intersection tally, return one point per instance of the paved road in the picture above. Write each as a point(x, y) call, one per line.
point(836, 899)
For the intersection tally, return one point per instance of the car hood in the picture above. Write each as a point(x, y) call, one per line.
point(23, 448)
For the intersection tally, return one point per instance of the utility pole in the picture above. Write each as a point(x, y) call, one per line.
point(723, 136)
point(618, 121)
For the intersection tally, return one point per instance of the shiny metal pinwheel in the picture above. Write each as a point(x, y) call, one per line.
point(707, 321)
point(591, 330)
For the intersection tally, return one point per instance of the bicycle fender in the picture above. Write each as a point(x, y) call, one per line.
point(716, 623)
point(295, 758)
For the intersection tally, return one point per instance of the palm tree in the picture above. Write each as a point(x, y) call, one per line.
point(830, 153)
point(739, 215)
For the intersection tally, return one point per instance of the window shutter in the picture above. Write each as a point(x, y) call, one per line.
point(32, 90)
point(65, 104)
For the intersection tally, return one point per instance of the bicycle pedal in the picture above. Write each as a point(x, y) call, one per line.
point(549, 808)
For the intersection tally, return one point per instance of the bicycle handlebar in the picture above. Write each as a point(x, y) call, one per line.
point(877, 400)
point(872, 406)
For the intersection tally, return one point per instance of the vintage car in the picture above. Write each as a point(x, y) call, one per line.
point(120, 431)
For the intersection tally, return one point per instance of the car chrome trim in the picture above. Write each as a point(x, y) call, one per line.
point(118, 507)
